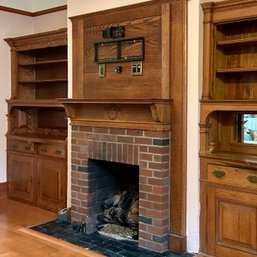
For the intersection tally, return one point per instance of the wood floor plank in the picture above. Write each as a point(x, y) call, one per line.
point(16, 240)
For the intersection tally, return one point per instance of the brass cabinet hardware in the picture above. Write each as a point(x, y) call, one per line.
point(27, 148)
point(252, 179)
point(219, 173)
point(58, 152)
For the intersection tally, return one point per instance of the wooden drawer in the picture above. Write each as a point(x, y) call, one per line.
point(232, 176)
point(51, 150)
point(21, 146)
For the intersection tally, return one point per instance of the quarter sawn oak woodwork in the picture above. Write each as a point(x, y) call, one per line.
point(163, 26)
point(228, 167)
point(37, 125)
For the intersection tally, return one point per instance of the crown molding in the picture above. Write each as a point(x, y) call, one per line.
point(33, 14)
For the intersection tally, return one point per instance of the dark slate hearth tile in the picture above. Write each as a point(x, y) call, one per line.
point(130, 248)
point(98, 243)
point(128, 254)
point(146, 254)
point(169, 254)
point(113, 248)
point(161, 142)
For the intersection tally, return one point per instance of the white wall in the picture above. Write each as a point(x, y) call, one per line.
point(38, 5)
point(81, 6)
point(194, 85)
point(25, 5)
point(50, 21)
point(32, 5)
point(8, 28)
point(194, 80)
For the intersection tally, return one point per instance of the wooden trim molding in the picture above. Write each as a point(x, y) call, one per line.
point(33, 14)
point(3, 190)
point(152, 114)
point(51, 10)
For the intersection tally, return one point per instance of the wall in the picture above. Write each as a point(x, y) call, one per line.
point(38, 5)
point(194, 85)
point(9, 28)
point(50, 21)
point(32, 6)
point(194, 78)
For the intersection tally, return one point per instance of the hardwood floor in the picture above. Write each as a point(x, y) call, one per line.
point(18, 241)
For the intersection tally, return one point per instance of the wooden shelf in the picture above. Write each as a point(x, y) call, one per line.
point(236, 158)
point(238, 42)
point(44, 63)
point(236, 70)
point(42, 81)
point(34, 103)
point(38, 138)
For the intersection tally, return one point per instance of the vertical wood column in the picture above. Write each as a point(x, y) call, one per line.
point(177, 239)
point(78, 58)
point(207, 52)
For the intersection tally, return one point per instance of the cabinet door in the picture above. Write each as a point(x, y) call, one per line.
point(231, 223)
point(52, 184)
point(20, 177)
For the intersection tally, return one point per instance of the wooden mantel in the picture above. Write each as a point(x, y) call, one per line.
point(145, 114)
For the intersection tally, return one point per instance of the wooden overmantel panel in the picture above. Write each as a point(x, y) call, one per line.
point(145, 21)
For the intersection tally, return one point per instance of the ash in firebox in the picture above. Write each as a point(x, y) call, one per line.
point(120, 216)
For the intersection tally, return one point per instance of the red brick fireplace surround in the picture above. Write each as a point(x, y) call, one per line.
point(150, 150)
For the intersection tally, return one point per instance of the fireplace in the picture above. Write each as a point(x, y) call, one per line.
point(143, 153)
point(115, 205)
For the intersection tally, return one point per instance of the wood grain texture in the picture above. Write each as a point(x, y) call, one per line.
point(3, 190)
point(179, 113)
point(228, 193)
point(17, 240)
point(37, 125)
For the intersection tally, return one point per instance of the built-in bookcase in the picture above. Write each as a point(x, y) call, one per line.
point(228, 130)
point(37, 124)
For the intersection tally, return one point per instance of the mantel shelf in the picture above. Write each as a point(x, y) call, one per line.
point(152, 114)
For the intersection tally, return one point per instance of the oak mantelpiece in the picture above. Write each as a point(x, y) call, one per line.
point(153, 114)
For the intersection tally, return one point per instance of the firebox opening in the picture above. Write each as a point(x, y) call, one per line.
point(116, 207)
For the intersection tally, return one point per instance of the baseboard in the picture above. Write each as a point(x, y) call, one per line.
point(177, 243)
point(3, 190)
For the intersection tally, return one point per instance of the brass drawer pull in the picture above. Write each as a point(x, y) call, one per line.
point(252, 179)
point(58, 152)
point(219, 173)
point(14, 146)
